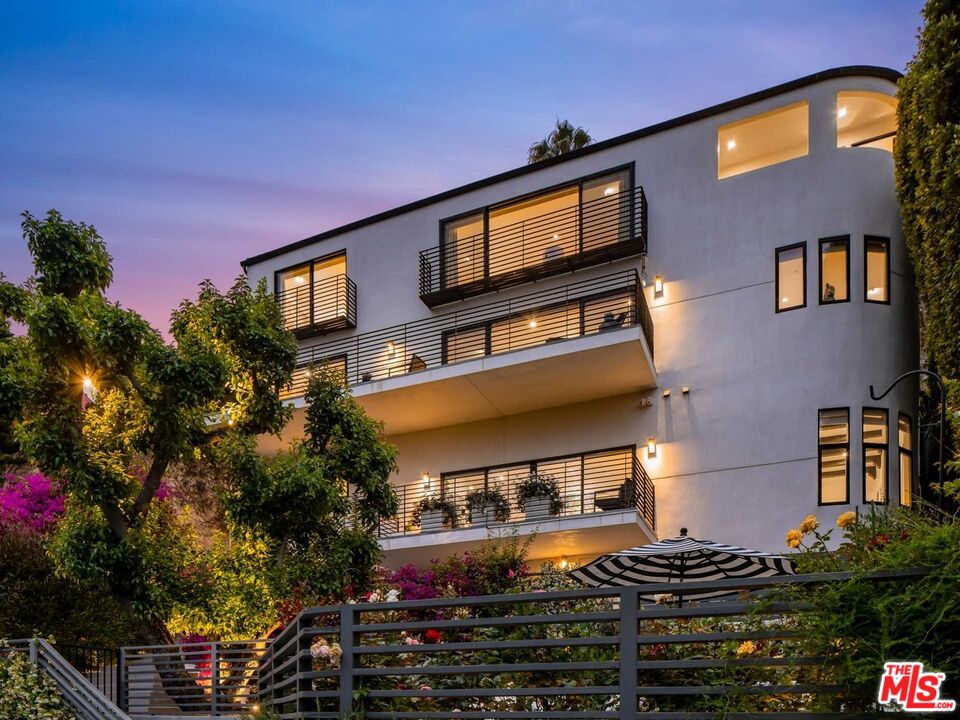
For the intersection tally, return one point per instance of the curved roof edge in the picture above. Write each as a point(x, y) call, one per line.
point(833, 73)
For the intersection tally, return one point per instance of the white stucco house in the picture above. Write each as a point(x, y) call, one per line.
point(678, 326)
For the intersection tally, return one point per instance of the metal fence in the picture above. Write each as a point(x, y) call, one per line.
point(592, 482)
point(203, 678)
point(100, 665)
point(588, 233)
point(601, 653)
point(329, 304)
point(588, 307)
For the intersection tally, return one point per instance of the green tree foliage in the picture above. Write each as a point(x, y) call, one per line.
point(157, 403)
point(318, 505)
point(562, 139)
point(927, 161)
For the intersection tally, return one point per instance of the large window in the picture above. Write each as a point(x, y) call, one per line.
point(905, 443)
point(866, 119)
point(876, 269)
point(834, 270)
point(874, 455)
point(313, 293)
point(564, 222)
point(791, 278)
point(767, 139)
point(833, 456)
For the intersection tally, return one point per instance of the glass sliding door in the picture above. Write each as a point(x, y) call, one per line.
point(605, 207)
point(534, 231)
point(463, 252)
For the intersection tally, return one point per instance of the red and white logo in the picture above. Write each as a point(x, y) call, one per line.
point(906, 684)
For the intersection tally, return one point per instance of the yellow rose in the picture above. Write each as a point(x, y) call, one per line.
point(809, 525)
point(793, 538)
point(747, 647)
point(847, 519)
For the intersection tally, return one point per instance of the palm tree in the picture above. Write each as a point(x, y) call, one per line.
point(562, 139)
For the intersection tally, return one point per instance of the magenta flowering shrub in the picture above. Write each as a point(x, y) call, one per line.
point(30, 503)
point(413, 584)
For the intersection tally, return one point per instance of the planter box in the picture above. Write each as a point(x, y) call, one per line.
point(537, 508)
point(432, 521)
point(483, 516)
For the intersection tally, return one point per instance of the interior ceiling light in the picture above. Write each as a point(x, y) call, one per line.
point(299, 280)
point(842, 112)
point(731, 144)
point(609, 191)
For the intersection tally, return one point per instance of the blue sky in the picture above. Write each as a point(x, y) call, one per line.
point(194, 134)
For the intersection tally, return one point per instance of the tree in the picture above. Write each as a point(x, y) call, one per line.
point(156, 403)
point(927, 162)
point(562, 139)
point(318, 505)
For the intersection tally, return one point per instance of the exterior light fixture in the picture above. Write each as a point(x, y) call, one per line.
point(658, 284)
point(87, 384)
point(841, 112)
point(425, 479)
point(731, 144)
point(685, 390)
point(666, 393)
point(651, 447)
point(564, 563)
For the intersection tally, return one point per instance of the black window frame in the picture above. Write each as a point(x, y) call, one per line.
point(867, 239)
point(901, 451)
point(820, 448)
point(864, 446)
point(836, 238)
point(776, 278)
point(311, 264)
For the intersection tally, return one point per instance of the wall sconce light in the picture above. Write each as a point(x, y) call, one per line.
point(666, 393)
point(425, 477)
point(87, 385)
point(391, 348)
point(685, 390)
point(564, 563)
point(651, 447)
point(658, 285)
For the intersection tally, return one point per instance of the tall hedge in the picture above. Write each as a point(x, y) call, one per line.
point(927, 159)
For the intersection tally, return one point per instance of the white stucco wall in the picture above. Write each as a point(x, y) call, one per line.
point(737, 459)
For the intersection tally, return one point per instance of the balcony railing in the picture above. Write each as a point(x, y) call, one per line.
point(330, 304)
point(550, 316)
point(589, 483)
point(565, 240)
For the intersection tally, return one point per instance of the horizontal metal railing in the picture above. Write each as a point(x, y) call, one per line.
point(585, 234)
point(593, 482)
point(548, 316)
point(329, 304)
point(587, 653)
point(203, 678)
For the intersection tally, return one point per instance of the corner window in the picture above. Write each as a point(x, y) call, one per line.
point(834, 270)
point(834, 449)
point(874, 455)
point(791, 278)
point(766, 139)
point(313, 294)
point(876, 269)
point(866, 119)
point(905, 443)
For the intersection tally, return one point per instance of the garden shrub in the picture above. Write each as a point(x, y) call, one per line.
point(25, 693)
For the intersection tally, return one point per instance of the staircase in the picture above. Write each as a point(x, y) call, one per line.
point(86, 701)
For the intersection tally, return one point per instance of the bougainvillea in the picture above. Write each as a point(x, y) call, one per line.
point(30, 503)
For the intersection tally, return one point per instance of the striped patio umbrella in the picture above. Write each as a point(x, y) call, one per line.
point(681, 559)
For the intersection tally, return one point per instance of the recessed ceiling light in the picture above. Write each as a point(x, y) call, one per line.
point(533, 323)
point(784, 299)
point(610, 191)
point(731, 144)
point(841, 112)
point(299, 280)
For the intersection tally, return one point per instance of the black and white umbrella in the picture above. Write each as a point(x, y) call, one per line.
point(679, 560)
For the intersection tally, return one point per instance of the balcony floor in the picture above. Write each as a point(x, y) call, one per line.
point(572, 536)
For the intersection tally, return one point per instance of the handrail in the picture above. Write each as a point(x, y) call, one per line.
point(79, 693)
point(328, 304)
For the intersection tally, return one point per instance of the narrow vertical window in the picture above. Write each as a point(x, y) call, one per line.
point(791, 277)
point(874, 455)
point(834, 270)
point(834, 441)
point(905, 443)
point(876, 269)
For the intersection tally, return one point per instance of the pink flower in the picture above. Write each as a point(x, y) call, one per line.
point(410, 640)
point(511, 574)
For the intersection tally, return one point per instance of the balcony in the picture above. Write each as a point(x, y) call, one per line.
point(578, 342)
point(320, 307)
point(587, 233)
point(600, 490)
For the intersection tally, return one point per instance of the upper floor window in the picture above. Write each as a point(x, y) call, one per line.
point(874, 455)
point(905, 443)
point(876, 269)
point(791, 280)
point(833, 460)
point(866, 119)
point(834, 270)
point(766, 139)
point(316, 294)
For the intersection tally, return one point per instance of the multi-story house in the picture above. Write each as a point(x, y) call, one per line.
point(678, 326)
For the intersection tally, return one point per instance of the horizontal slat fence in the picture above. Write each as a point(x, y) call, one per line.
point(598, 653)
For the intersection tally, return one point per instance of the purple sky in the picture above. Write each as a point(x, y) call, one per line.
point(195, 134)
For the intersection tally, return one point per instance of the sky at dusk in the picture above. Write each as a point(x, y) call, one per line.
point(195, 134)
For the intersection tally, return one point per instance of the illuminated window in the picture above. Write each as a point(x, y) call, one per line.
point(874, 455)
point(767, 139)
point(834, 449)
point(791, 278)
point(462, 253)
point(834, 270)
point(905, 443)
point(876, 269)
point(303, 373)
point(866, 119)
point(314, 293)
